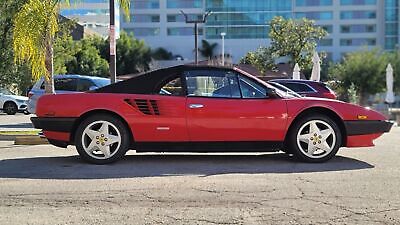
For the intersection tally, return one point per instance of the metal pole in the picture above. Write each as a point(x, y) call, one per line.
point(196, 32)
point(223, 48)
point(113, 74)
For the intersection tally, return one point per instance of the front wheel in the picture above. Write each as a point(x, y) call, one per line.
point(102, 139)
point(315, 138)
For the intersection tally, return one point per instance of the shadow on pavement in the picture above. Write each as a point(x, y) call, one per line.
point(71, 167)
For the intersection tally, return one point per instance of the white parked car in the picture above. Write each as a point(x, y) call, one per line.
point(11, 103)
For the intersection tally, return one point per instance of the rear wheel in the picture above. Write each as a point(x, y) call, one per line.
point(314, 138)
point(102, 139)
point(10, 108)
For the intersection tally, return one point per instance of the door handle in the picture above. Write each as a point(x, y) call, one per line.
point(196, 106)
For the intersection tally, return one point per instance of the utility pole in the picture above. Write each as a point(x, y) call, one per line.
point(113, 74)
point(196, 31)
point(223, 48)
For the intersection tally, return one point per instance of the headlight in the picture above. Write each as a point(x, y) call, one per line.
point(20, 101)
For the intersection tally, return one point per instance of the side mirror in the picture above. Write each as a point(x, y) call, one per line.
point(271, 93)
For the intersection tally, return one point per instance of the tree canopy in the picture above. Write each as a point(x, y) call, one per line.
point(364, 70)
point(296, 39)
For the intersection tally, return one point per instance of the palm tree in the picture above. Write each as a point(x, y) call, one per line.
point(207, 49)
point(35, 27)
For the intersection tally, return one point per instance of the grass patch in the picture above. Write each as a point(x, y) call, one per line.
point(24, 132)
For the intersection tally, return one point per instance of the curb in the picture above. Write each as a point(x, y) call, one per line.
point(24, 139)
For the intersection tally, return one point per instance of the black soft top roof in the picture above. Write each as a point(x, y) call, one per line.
point(146, 83)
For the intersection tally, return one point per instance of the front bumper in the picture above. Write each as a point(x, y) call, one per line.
point(362, 127)
point(59, 124)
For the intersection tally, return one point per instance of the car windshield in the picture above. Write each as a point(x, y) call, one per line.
point(102, 82)
point(6, 91)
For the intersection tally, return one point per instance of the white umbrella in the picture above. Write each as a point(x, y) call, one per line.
point(296, 72)
point(316, 70)
point(389, 84)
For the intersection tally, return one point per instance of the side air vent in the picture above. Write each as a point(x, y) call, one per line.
point(155, 107)
point(143, 106)
point(148, 107)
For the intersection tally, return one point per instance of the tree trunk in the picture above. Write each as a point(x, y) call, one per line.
point(363, 99)
point(49, 77)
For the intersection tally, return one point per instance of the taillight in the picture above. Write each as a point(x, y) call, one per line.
point(30, 94)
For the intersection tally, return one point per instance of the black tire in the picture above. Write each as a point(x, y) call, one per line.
point(10, 108)
point(292, 142)
point(117, 153)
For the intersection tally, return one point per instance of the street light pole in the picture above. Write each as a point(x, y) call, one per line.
point(196, 31)
point(113, 74)
point(223, 48)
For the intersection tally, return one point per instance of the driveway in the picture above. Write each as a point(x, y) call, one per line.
point(48, 185)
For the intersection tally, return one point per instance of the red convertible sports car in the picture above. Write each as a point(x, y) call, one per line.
point(202, 109)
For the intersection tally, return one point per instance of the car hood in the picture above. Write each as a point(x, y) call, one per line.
point(346, 111)
point(17, 97)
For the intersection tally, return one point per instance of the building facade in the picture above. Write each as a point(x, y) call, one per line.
point(92, 14)
point(351, 24)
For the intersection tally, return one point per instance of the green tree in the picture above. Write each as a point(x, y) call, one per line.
point(87, 60)
point(161, 54)
point(12, 75)
point(296, 39)
point(365, 70)
point(35, 27)
point(207, 49)
point(262, 59)
point(133, 55)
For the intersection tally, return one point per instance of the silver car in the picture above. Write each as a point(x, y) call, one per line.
point(65, 84)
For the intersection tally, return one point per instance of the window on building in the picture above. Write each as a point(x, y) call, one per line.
point(183, 4)
point(358, 2)
point(391, 29)
point(325, 42)
point(180, 18)
point(391, 43)
point(254, 6)
point(244, 18)
point(327, 28)
point(313, 2)
point(144, 31)
point(145, 4)
point(358, 28)
point(358, 41)
point(327, 15)
point(358, 14)
point(391, 3)
point(182, 31)
point(145, 18)
point(253, 32)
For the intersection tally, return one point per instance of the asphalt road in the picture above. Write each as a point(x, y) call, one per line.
point(15, 122)
point(47, 185)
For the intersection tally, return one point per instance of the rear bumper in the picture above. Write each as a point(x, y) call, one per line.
point(60, 124)
point(363, 127)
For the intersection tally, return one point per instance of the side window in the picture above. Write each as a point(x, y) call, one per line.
point(65, 84)
point(85, 85)
point(210, 83)
point(298, 87)
point(251, 89)
point(172, 87)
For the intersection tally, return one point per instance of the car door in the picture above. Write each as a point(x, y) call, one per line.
point(163, 114)
point(225, 106)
